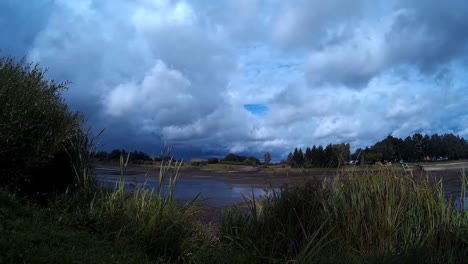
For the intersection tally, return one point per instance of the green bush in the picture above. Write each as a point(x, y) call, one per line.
point(213, 161)
point(36, 128)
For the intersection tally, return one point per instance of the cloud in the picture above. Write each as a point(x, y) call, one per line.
point(425, 36)
point(306, 24)
point(194, 75)
point(161, 91)
point(20, 25)
point(148, 64)
point(351, 64)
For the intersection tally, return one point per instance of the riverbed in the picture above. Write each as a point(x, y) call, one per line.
point(212, 191)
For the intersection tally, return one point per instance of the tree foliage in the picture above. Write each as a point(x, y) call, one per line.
point(332, 155)
point(36, 127)
point(232, 158)
point(417, 147)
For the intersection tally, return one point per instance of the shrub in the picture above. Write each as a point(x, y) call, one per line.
point(213, 161)
point(198, 163)
point(36, 127)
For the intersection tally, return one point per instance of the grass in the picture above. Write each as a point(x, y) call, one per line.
point(373, 216)
point(32, 235)
point(366, 217)
point(106, 226)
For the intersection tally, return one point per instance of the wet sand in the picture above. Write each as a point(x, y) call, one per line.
point(247, 176)
point(259, 177)
point(239, 175)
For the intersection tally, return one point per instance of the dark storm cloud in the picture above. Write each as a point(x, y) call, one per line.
point(19, 24)
point(426, 35)
point(182, 72)
point(429, 34)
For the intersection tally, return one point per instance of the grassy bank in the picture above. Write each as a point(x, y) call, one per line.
point(99, 227)
point(37, 235)
point(374, 217)
point(95, 225)
point(370, 217)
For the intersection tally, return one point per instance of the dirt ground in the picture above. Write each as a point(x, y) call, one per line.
point(239, 175)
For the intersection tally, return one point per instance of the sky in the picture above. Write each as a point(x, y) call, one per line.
point(249, 76)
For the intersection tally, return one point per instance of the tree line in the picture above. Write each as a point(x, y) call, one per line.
point(331, 155)
point(415, 148)
point(234, 159)
point(135, 156)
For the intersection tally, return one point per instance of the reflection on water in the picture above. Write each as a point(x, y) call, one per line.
point(216, 193)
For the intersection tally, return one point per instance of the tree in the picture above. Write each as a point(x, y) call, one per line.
point(300, 158)
point(267, 158)
point(308, 155)
point(212, 161)
point(374, 157)
point(290, 159)
point(36, 129)
point(321, 160)
point(232, 157)
point(330, 158)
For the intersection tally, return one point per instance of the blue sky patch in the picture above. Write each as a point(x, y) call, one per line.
point(256, 109)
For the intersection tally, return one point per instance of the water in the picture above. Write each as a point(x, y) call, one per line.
point(214, 192)
point(458, 204)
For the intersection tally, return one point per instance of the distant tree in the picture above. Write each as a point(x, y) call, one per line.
point(315, 159)
point(321, 160)
point(373, 157)
point(102, 155)
point(290, 159)
point(308, 155)
point(212, 161)
point(418, 145)
point(387, 148)
point(254, 160)
point(232, 157)
point(356, 155)
point(138, 156)
point(341, 154)
point(115, 154)
point(330, 157)
point(236, 159)
point(267, 158)
point(298, 158)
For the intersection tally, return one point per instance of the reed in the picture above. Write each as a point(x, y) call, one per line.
point(148, 219)
point(381, 215)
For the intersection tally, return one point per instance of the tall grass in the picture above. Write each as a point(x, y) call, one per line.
point(355, 216)
point(81, 149)
point(148, 219)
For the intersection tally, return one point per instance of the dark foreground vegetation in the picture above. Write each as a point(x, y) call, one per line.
point(51, 210)
point(386, 217)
